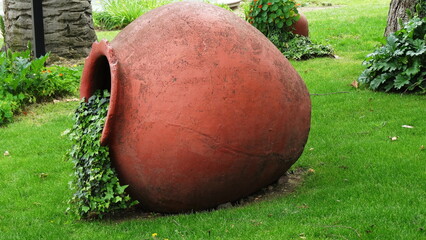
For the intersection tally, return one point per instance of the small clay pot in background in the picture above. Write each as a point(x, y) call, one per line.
point(301, 26)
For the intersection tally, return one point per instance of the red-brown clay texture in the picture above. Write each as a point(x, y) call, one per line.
point(301, 26)
point(204, 109)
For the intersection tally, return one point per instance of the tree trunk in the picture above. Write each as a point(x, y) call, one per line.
point(68, 26)
point(398, 10)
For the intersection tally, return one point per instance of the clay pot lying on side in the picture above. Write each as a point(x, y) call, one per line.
point(204, 109)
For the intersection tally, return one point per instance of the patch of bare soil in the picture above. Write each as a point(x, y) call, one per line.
point(285, 185)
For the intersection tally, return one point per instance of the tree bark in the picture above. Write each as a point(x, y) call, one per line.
point(68, 26)
point(398, 10)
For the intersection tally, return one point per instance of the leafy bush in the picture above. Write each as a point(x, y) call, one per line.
point(299, 47)
point(421, 8)
point(275, 18)
point(270, 16)
point(118, 14)
point(245, 6)
point(97, 189)
point(24, 80)
point(400, 64)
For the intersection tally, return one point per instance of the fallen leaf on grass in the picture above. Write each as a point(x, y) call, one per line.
point(6, 153)
point(43, 175)
point(310, 170)
point(303, 206)
point(355, 84)
point(66, 100)
point(407, 126)
point(256, 223)
point(393, 138)
point(422, 147)
point(65, 132)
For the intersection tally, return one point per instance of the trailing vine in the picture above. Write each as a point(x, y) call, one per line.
point(299, 47)
point(96, 185)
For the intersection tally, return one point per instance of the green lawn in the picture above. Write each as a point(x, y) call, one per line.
point(365, 186)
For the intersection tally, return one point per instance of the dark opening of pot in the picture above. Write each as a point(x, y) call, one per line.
point(101, 75)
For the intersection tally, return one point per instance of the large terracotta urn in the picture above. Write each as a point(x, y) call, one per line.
point(204, 109)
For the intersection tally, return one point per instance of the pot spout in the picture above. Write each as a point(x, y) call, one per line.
point(101, 73)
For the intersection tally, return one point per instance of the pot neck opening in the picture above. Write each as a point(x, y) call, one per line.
point(101, 73)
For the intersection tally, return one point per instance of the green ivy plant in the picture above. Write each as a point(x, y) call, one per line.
point(299, 47)
point(400, 64)
point(96, 185)
point(271, 15)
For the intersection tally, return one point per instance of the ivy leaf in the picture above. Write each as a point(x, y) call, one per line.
point(96, 185)
point(85, 209)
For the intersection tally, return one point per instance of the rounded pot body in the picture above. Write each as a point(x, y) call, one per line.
point(301, 26)
point(204, 109)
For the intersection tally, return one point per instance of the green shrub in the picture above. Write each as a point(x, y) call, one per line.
point(270, 16)
point(117, 14)
point(96, 185)
point(245, 6)
point(275, 18)
point(24, 80)
point(421, 8)
point(400, 64)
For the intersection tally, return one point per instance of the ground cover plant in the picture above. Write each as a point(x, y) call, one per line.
point(399, 65)
point(96, 187)
point(24, 80)
point(299, 47)
point(366, 152)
